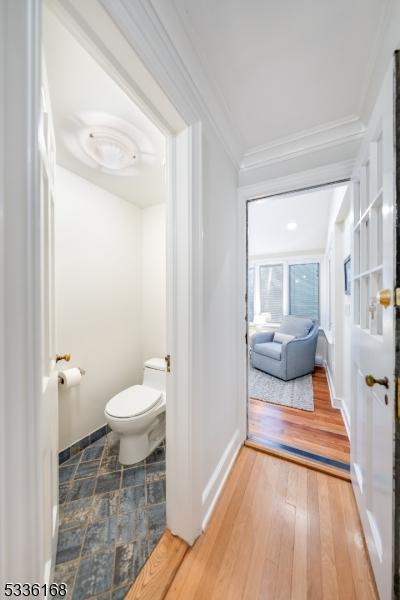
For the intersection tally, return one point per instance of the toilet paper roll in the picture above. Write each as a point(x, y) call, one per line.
point(70, 377)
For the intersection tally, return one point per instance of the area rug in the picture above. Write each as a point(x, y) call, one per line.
point(297, 393)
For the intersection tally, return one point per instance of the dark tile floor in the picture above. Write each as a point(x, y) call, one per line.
point(111, 517)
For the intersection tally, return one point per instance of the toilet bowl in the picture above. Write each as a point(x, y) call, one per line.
point(137, 414)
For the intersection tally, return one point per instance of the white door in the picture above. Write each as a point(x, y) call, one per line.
point(49, 408)
point(373, 384)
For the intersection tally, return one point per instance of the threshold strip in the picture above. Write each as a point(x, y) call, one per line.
point(302, 453)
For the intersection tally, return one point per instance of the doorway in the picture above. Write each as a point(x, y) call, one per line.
point(105, 197)
point(296, 243)
point(30, 529)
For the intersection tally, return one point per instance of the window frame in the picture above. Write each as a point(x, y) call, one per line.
point(258, 262)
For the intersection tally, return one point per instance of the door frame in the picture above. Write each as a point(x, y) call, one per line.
point(322, 176)
point(20, 300)
point(20, 310)
point(396, 538)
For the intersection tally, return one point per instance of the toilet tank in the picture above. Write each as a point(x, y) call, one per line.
point(154, 374)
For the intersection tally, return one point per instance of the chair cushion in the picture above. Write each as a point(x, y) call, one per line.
point(297, 326)
point(270, 349)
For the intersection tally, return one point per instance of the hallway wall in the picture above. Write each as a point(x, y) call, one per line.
point(339, 343)
point(220, 392)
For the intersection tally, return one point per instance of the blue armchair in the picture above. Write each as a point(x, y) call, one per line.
point(289, 359)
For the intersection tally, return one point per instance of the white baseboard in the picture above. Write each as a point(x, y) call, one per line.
point(346, 418)
point(337, 402)
point(216, 482)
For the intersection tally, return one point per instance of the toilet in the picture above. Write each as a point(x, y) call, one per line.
point(137, 414)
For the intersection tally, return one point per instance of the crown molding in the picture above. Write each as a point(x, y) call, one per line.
point(156, 33)
point(334, 133)
point(324, 175)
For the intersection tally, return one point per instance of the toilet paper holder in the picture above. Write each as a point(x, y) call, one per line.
point(61, 380)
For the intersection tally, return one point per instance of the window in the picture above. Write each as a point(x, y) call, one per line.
point(304, 290)
point(290, 287)
point(250, 294)
point(271, 292)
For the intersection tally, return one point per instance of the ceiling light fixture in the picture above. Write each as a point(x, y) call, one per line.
point(291, 226)
point(109, 148)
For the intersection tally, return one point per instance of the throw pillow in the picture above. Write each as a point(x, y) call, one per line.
point(283, 338)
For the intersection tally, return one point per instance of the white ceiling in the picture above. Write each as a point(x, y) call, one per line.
point(311, 211)
point(283, 67)
point(78, 85)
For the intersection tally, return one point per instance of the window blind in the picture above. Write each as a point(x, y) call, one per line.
point(250, 294)
point(304, 290)
point(271, 291)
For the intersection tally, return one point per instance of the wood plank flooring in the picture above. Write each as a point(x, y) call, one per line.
point(279, 531)
point(322, 431)
point(155, 578)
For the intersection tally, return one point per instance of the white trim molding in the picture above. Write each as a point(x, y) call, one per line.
point(337, 402)
point(335, 133)
point(21, 468)
point(184, 334)
point(325, 175)
point(217, 480)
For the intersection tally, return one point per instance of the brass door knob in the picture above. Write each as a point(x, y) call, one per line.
point(371, 381)
point(384, 297)
point(66, 357)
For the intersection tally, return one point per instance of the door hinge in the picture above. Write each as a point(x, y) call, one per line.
point(397, 297)
point(168, 363)
point(245, 337)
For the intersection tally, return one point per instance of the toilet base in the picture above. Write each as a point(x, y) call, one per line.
point(137, 447)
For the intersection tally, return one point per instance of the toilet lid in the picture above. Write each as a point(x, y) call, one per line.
point(133, 401)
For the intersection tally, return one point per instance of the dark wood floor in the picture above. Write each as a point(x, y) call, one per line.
point(322, 431)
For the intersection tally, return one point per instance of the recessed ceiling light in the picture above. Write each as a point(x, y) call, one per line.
point(292, 225)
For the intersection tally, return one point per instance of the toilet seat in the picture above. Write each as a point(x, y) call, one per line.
point(133, 402)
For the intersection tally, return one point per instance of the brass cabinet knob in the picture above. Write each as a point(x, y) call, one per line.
point(66, 357)
point(384, 297)
point(371, 381)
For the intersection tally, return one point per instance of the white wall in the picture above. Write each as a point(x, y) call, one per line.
point(98, 298)
point(153, 281)
point(220, 402)
point(346, 335)
point(339, 339)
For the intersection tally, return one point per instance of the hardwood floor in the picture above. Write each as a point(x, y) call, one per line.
point(155, 579)
point(321, 432)
point(279, 531)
